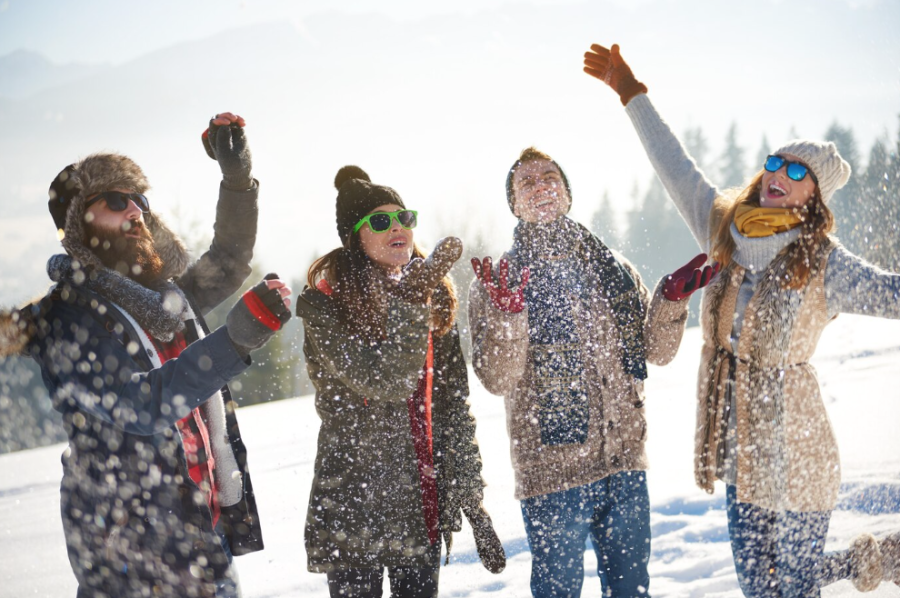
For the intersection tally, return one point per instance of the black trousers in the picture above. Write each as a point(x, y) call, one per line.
point(406, 582)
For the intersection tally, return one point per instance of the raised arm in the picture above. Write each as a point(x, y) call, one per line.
point(498, 322)
point(854, 286)
point(685, 183)
point(224, 267)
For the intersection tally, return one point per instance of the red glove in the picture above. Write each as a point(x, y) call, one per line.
point(687, 279)
point(503, 299)
point(609, 67)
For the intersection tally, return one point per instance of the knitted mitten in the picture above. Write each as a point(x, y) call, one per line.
point(865, 563)
point(890, 553)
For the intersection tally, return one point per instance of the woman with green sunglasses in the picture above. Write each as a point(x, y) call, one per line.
point(397, 459)
point(762, 427)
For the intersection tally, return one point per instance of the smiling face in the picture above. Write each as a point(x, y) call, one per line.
point(390, 250)
point(540, 193)
point(780, 191)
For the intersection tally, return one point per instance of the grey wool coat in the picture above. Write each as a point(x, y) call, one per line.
point(365, 505)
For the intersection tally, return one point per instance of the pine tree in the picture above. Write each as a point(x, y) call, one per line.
point(603, 222)
point(733, 168)
point(847, 201)
point(696, 145)
point(764, 151)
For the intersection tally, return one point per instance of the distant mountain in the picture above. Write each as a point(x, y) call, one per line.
point(24, 73)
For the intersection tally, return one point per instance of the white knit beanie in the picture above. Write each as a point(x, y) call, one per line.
point(823, 159)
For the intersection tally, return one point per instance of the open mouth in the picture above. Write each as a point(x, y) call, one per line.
point(397, 243)
point(776, 190)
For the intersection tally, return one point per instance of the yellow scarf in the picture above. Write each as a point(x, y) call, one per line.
point(764, 222)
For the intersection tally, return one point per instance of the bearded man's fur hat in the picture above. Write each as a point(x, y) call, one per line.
point(102, 172)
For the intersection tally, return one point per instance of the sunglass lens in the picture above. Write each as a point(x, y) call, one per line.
point(115, 201)
point(141, 202)
point(773, 163)
point(796, 171)
point(379, 222)
point(407, 218)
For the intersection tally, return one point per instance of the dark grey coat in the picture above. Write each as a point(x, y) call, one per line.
point(365, 506)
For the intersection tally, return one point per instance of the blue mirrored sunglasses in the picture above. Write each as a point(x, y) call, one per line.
point(795, 170)
point(117, 201)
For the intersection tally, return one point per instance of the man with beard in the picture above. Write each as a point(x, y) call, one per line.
point(156, 496)
point(568, 349)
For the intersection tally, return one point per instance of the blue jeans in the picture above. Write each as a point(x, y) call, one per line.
point(229, 587)
point(776, 554)
point(615, 512)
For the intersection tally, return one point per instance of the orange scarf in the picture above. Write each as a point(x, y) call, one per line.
point(752, 221)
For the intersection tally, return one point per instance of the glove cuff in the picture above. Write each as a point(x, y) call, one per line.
point(238, 182)
point(259, 311)
point(629, 89)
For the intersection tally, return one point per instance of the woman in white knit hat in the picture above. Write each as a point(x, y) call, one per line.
point(762, 427)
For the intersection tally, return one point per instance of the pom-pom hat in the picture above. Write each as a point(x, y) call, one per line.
point(357, 196)
point(823, 159)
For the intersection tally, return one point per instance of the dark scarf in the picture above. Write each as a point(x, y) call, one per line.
point(568, 264)
point(159, 310)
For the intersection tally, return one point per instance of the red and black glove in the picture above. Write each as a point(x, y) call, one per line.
point(501, 297)
point(260, 313)
point(611, 68)
point(690, 277)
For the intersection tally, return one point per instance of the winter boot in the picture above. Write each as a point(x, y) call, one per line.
point(890, 553)
point(866, 567)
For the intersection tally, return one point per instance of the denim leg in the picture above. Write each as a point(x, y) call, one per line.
point(801, 544)
point(230, 586)
point(620, 533)
point(752, 545)
point(776, 555)
point(557, 526)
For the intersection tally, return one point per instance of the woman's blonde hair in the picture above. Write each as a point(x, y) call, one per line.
point(818, 223)
point(351, 275)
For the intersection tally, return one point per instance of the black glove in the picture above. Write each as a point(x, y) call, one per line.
point(259, 314)
point(421, 277)
point(490, 550)
point(228, 146)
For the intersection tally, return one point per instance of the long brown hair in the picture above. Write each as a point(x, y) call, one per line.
point(353, 277)
point(818, 222)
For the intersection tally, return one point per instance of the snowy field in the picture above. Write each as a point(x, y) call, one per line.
point(859, 367)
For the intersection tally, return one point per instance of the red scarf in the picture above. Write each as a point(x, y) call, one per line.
point(419, 406)
point(194, 435)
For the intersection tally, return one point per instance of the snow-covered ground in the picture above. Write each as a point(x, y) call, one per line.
point(859, 368)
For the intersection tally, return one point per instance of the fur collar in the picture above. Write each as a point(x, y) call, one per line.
point(160, 310)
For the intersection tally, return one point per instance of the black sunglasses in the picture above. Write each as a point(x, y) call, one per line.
point(795, 170)
point(118, 201)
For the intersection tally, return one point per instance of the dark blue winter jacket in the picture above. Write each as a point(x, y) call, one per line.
point(133, 518)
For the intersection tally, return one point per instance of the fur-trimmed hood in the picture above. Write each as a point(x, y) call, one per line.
point(101, 172)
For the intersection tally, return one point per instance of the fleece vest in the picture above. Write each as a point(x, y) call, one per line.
point(786, 453)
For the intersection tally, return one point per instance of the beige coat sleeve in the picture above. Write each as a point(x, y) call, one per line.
point(665, 321)
point(499, 342)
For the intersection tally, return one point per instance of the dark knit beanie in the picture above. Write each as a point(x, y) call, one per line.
point(510, 192)
point(357, 196)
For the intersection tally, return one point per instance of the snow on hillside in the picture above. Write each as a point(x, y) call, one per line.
point(859, 368)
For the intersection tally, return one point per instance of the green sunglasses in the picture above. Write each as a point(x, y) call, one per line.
point(380, 222)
